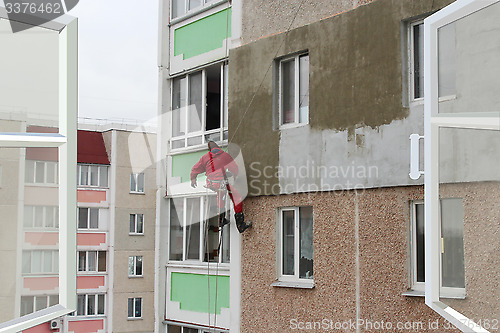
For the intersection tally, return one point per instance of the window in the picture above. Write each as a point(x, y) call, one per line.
point(293, 96)
point(135, 266)
point(137, 182)
point(90, 305)
point(182, 329)
point(30, 304)
point(181, 7)
point(296, 244)
point(452, 256)
point(136, 224)
point(88, 218)
point(41, 172)
point(41, 217)
point(40, 262)
point(188, 234)
point(91, 261)
point(135, 308)
point(0, 175)
point(199, 107)
point(92, 175)
point(416, 61)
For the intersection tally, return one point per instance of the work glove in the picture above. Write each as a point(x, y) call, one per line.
point(193, 183)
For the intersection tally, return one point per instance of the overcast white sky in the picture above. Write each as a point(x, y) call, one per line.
point(118, 58)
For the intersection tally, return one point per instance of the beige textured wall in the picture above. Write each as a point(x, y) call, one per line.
point(383, 217)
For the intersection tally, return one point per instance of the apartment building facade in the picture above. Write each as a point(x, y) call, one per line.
point(322, 100)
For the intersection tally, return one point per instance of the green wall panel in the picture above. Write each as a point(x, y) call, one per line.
point(182, 164)
point(203, 35)
point(191, 291)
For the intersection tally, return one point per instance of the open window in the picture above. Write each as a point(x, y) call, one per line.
point(462, 154)
point(199, 107)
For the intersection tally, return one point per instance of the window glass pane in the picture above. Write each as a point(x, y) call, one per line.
point(29, 172)
point(26, 262)
point(132, 223)
point(47, 261)
point(94, 170)
point(39, 172)
point(40, 302)
point(103, 176)
point(304, 89)
point(51, 173)
point(50, 215)
point(452, 231)
point(194, 3)
point(27, 305)
point(53, 300)
point(130, 307)
point(174, 329)
point(179, 103)
point(94, 218)
point(92, 258)
point(39, 216)
point(80, 307)
point(226, 241)
point(178, 144)
point(83, 214)
point(288, 92)
point(288, 242)
point(138, 308)
point(102, 261)
point(133, 184)
point(28, 216)
point(36, 262)
point(176, 218)
point(306, 243)
point(194, 141)
point(82, 259)
point(91, 305)
point(84, 175)
point(420, 245)
point(138, 266)
point(130, 266)
point(100, 304)
point(211, 244)
point(446, 60)
point(193, 228)
point(178, 8)
point(418, 60)
point(140, 223)
point(140, 182)
point(195, 102)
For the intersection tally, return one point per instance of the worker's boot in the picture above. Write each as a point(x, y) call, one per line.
point(222, 220)
point(240, 222)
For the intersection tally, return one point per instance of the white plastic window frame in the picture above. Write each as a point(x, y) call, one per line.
point(132, 264)
point(134, 302)
point(67, 28)
point(296, 59)
point(433, 121)
point(36, 165)
point(99, 171)
point(205, 4)
point(203, 220)
point(411, 62)
point(35, 297)
point(223, 112)
point(45, 225)
point(135, 218)
point(89, 217)
point(87, 268)
point(300, 282)
point(136, 181)
point(96, 305)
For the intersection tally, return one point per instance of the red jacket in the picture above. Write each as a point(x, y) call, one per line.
point(213, 164)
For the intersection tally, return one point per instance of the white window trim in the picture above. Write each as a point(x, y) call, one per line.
point(37, 296)
point(411, 63)
point(433, 121)
point(88, 218)
point(223, 112)
point(136, 218)
point(136, 176)
point(289, 280)
point(32, 227)
point(45, 173)
point(134, 267)
point(297, 122)
point(54, 270)
point(206, 5)
point(87, 270)
point(99, 168)
point(96, 306)
point(200, 261)
point(142, 308)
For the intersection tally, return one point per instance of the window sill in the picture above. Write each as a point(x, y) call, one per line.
point(130, 234)
point(292, 126)
point(297, 284)
point(421, 293)
point(134, 192)
point(135, 276)
point(194, 149)
point(132, 319)
point(194, 12)
point(198, 265)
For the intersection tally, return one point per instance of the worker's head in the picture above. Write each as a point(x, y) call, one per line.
point(212, 145)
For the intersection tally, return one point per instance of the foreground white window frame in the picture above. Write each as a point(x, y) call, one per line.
point(65, 140)
point(433, 121)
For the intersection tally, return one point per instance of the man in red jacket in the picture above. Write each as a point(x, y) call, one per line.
point(214, 164)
